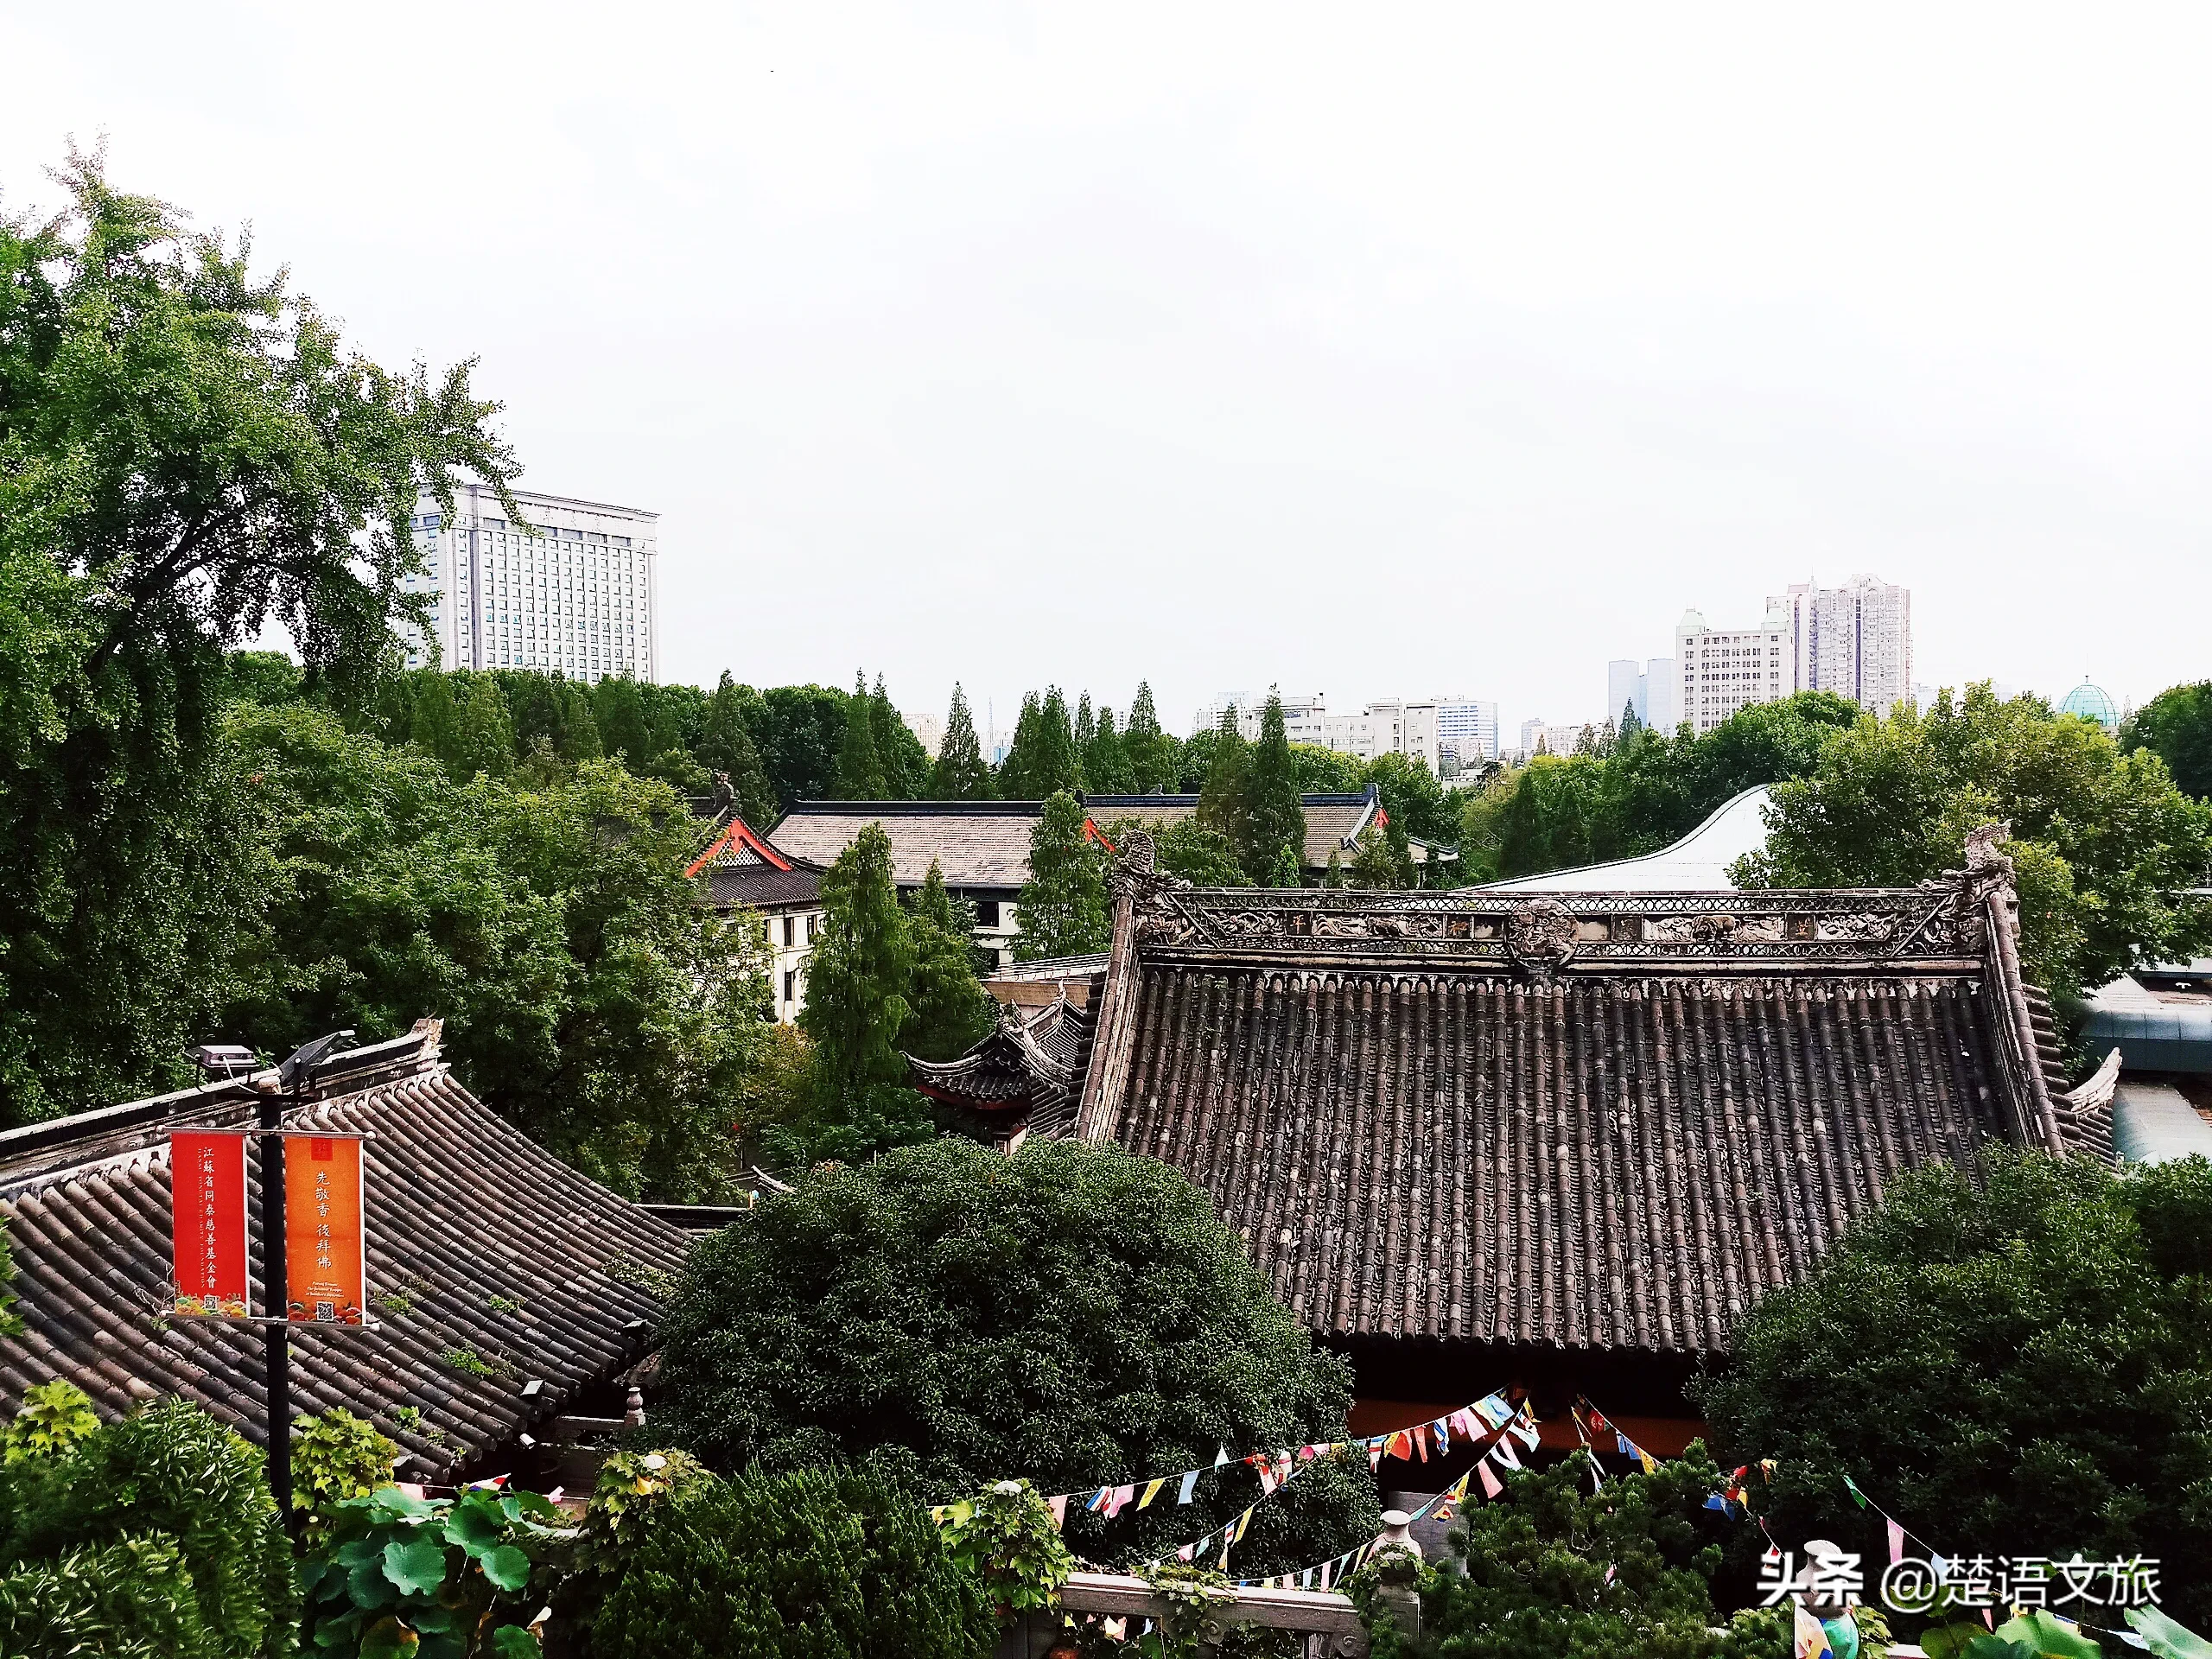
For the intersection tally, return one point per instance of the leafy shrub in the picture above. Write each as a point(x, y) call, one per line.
point(1554, 1570)
point(55, 1417)
point(2013, 1367)
point(334, 1457)
point(1008, 1544)
point(1071, 1314)
point(813, 1562)
point(153, 1534)
point(450, 1579)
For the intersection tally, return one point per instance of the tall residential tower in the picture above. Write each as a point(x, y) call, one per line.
point(571, 588)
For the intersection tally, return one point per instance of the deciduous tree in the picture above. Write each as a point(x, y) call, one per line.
point(2176, 727)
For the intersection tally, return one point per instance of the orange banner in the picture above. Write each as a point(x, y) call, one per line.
point(324, 1245)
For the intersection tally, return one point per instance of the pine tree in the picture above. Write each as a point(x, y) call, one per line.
point(962, 773)
point(434, 718)
point(1042, 761)
point(483, 736)
point(1226, 801)
point(862, 968)
point(898, 752)
point(951, 1011)
point(1631, 728)
point(860, 769)
point(1014, 771)
point(1062, 908)
point(620, 713)
point(1334, 879)
point(1285, 874)
point(1151, 759)
point(726, 746)
point(1106, 760)
point(1277, 818)
point(1086, 729)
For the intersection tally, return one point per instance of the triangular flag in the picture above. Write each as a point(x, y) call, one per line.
point(1221, 1457)
point(1491, 1484)
point(1421, 1440)
point(1374, 1455)
point(1059, 1509)
point(1505, 1455)
point(1401, 1445)
point(1190, 1486)
point(1897, 1542)
point(1598, 1421)
point(1650, 1464)
point(1852, 1486)
point(1266, 1471)
point(1306, 1579)
point(1151, 1491)
point(1184, 1553)
point(1442, 1429)
point(1122, 1495)
point(1717, 1501)
point(1627, 1451)
point(1283, 1467)
point(1524, 1426)
point(1098, 1499)
point(1811, 1640)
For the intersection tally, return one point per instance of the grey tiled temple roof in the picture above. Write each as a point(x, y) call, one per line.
point(1576, 1120)
point(461, 1210)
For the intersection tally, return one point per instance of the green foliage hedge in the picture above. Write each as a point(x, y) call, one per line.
point(153, 1535)
point(810, 1563)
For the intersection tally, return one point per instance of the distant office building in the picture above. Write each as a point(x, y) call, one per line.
point(1662, 708)
point(1649, 689)
point(571, 588)
point(1726, 670)
point(1855, 640)
point(1301, 716)
point(1541, 737)
point(1448, 735)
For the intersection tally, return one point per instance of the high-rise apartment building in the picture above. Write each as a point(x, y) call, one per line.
point(1301, 716)
point(1855, 640)
point(570, 587)
point(1446, 734)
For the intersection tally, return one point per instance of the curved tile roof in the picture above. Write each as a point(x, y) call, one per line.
point(462, 1209)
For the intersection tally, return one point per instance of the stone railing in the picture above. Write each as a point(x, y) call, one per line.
point(1329, 1622)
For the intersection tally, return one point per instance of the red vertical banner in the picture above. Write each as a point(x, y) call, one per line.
point(207, 1222)
point(324, 1246)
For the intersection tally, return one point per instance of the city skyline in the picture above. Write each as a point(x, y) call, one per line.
point(1011, 348)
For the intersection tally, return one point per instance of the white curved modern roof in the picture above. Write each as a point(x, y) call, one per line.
point(1697, 863)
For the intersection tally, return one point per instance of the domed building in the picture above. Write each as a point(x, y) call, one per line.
point(2092, 702)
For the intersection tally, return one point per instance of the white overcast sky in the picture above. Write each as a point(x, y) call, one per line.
point(1376, 350)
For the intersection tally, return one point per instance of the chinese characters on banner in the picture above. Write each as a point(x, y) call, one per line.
point(207, 1221)
point(323, 1244)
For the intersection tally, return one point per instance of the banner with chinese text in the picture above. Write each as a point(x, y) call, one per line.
point(207, 1222)
point(324, 1248)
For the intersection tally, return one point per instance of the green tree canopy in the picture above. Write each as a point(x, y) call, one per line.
point(2104, 845)
point(726, 746)
point(1226, 801)
point(1042, 760)
point(859, 768)
point(950, 1010)
point(1187, 849)
point(187, 456)
point(1106, 759)
point(961, 772)
point(1071, 1313)
point(857, 981)
point(795, 1564)
point(618, 711)
point(1555, 1570)
point(2176, 727)
point(1278, 822)
point(1062, 907)
point(905, 763)
point(1153, 763)
point(588, 997)
point(2011, 1366)
point(799, 730)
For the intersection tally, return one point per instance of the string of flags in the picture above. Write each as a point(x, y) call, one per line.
point(1331, 1573)
point(1490, 1417)
point(1276, 1469)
